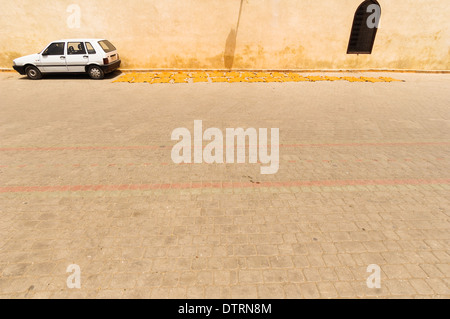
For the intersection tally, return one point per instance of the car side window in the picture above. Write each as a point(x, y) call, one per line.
point(90, 48)
point(56, 48)
point(74, 48)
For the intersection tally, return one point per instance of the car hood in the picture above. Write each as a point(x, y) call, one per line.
point(27, 59)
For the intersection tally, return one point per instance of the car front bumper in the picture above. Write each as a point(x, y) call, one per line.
point(20, 69)
point(112, 66)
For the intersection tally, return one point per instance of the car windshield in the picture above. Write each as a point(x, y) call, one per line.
point(107, 46)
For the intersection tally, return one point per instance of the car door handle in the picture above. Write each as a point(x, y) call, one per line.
point(85, 57)
point(62, 58)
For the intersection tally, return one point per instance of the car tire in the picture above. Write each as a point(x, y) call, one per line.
point(33, 73)
point(96, 72)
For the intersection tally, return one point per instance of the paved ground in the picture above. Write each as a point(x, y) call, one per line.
point(86, 178)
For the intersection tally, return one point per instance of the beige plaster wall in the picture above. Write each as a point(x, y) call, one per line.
point(272, 34)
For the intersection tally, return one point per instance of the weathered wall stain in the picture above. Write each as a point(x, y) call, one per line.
point(271, 34)
point(230, 44)
point(230, 49)
point(7, 57)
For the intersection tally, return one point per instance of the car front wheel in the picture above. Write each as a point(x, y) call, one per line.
point(96, 73)
point(33, 73)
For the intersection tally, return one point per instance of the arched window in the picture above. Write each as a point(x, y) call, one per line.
point(364, 29)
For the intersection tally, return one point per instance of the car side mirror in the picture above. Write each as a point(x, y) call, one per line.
point(45, 54)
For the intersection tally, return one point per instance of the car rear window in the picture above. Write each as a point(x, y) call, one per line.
point(107, 46)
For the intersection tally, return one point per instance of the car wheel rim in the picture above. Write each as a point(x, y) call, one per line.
point(95, 73)
point(32, 73)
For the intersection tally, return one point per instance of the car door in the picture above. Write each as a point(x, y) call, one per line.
point(94, 56)
point(76, 58)
point(53, 58)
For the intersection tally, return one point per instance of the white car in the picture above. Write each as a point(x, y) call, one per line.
point(95, 57)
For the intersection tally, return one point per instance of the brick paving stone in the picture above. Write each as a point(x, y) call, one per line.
point(270, 291)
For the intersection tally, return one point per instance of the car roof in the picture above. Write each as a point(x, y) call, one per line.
point(79, 40)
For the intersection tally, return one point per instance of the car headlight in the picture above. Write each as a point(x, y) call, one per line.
point(14, 63)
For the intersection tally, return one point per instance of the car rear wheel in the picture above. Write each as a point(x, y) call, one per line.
point(33, 73)
point(96, 73)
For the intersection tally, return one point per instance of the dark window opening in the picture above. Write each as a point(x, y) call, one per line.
point(90, 48)
point(55, 49)
point(74, 48)
point(365, 27)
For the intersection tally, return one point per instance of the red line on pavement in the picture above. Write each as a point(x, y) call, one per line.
point(81, 148)
point(153, 147)
point(368, 144)
point(204, 185)
point(167, 164)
